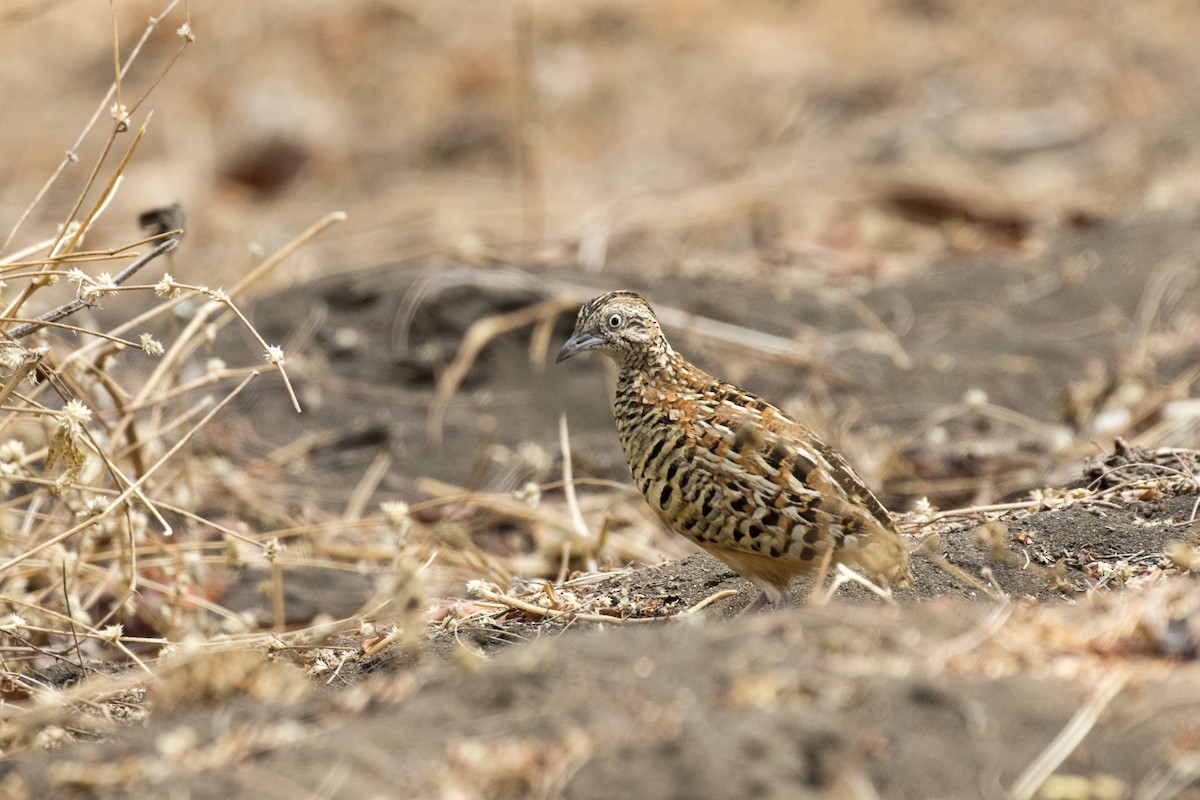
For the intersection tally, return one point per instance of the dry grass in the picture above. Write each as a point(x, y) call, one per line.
point(105, 559)
point(103, 556)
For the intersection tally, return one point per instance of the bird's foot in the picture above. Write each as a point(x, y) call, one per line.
point(766, 600)
point(759, 603)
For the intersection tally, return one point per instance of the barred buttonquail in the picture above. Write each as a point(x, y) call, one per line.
point(728, 470)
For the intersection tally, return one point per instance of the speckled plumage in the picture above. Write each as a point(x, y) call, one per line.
point(728, 470)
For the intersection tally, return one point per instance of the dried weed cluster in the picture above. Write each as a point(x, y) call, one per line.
point(106, 564)
point(103, 556)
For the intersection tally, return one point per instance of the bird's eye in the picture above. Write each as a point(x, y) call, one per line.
point(614, 321)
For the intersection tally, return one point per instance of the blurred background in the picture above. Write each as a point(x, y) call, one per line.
point(758, 139)
point(974, 223)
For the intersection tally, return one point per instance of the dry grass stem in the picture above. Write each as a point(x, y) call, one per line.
point(120, 498)
point(971, 639)
point(70, 308)
point(706, 602)
point(508, 601)
point(568, 482)
point(71, 156)
point(894, 349)
point(364, 490)
point(570, 295)
point(1042, 767)
point(477, 337)
point(928, 550)
point(272, 262)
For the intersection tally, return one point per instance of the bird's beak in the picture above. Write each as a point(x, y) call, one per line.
point(577, 344)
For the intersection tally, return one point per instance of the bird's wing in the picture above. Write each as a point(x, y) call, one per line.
point(768, 486)
point(781, 489)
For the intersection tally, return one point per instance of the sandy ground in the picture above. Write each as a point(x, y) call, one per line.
point(959, 240)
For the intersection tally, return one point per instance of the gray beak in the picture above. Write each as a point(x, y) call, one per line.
point(577, 344)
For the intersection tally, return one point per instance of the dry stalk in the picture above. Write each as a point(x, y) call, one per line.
point(278, 613)
point(364, 490)
point(577, 522)
point(72, 153)
point(778, 348)
point(928, 549)
point(895, 350)
point(270, 263)
point(132, 488)
point(972, 639)
point(1042, 767)
point(477, 337)
point(75, 305)
point(504, 600)
point(706, 602)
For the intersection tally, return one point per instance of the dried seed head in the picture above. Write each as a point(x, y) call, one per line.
point(151, 346)
point(74, 416)
point(1122, 572)
point(121, 114)
point(534, 457)
point(112, 634)
point(272, 549)
point(167, 288)
point(66, 442)
point(923, 510)
point(101, 286)
point(233, 552)
point(90, 289)
point(395, 515)
point(975, 399)
point(15, 623)
point(177, 744)
point(530, 494)
point(12, 357)
point(10, 465)
point(93, 506)
point(1183, 555)
point(12, 451)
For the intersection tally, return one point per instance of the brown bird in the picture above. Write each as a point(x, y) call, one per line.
point(728, 470)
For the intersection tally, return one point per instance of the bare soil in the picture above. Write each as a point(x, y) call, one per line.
point(972, 230)
point(946, 693)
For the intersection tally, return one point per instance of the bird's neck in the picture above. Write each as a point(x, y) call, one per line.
point(655, 370)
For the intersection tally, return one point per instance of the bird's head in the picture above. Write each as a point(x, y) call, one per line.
point(620, 324)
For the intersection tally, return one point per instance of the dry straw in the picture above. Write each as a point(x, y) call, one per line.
point(102, 557)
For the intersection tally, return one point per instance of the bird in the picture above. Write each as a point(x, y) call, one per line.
point(728, 470)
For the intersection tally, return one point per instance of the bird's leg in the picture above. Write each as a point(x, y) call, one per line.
point(759, 603)
point(847, 575)
point(815, 596)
